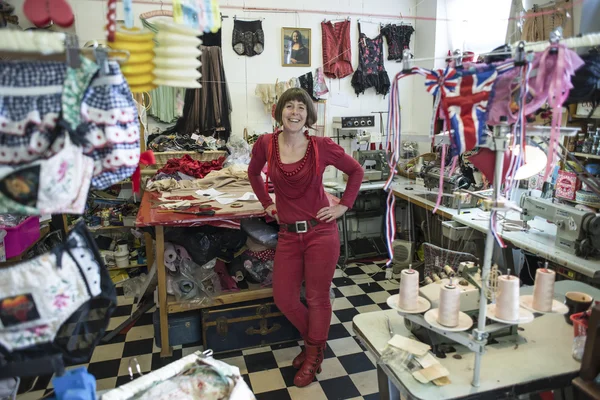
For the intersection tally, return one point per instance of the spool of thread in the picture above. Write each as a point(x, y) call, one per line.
point(239, 276)
point(543, 289)
point(448, 270)
point(507, 302)
point(449, 305)
point(170, 253)
point(435, 277)
point(409, 289)
point(427, 280)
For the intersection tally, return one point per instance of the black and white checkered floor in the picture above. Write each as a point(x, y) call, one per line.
point(348, 369)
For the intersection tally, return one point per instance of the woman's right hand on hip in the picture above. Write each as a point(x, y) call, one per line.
point(272, 212)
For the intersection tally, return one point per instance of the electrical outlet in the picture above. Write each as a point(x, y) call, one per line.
point(388, 273)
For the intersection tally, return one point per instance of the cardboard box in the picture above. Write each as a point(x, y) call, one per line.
point(567, 184)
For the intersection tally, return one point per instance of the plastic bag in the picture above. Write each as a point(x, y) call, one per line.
point(208, 242)
point(132, 287)
point(260, 231)
point(239, 152)
point(196, 283)
point(259, 271)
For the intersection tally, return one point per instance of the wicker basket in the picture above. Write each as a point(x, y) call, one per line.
point(163, 157)
point(403, 166)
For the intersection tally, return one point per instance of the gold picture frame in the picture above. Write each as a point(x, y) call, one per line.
point(295, 47)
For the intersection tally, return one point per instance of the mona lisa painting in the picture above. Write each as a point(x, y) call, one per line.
point(295, 44)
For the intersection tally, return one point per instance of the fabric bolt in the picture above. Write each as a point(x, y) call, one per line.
point(398, 39)
point(67, 314)
point(337, 53)
point(370, 71)
point(310, 257)
point(248, 38)
point(191, 167)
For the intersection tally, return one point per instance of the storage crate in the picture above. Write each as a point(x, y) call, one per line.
point(19, 238)
point(245, 325)
point(163, 157)
point(184, 328)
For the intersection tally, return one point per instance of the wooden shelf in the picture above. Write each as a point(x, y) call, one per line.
point(127, 267)
point(585, 155)
point(256, 293)
point(108, 228)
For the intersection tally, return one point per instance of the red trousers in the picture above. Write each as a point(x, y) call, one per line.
point(310, 257)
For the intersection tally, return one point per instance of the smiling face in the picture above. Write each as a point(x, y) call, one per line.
point(294, 115)
point(295, 37)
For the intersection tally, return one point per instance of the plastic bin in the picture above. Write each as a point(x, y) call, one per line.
point(454, 230)
point(19, 238)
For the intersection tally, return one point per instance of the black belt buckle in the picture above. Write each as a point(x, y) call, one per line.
point(301, 226)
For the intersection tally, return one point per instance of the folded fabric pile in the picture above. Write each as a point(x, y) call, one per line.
point(191, 167)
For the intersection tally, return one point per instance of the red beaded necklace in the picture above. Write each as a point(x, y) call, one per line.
point(302, 162)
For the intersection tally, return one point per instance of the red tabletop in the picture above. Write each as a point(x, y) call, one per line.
point(148, 214)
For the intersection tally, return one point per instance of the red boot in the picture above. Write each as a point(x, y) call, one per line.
point(297, 363)
point(311, 365)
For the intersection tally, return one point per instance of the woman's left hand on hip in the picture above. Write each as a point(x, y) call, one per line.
point(329, 214)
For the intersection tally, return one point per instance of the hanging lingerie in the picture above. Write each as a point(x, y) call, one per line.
point(370, 71)
point(58, 303)
point(398, 39)
point(41, 101)
point(248, 37)
point(306, 83)
point(337, 53)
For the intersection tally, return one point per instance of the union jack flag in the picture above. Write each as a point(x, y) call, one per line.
point(445, 79)
point(466, 108)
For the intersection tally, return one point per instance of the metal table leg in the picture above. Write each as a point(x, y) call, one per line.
point(165, 349)
point(345, 239)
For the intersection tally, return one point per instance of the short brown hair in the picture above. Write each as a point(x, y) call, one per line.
point(302, 96)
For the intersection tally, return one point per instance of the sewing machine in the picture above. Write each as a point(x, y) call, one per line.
point(374, 164)
point(469, 283)
point(577, 232)
point(431, 178)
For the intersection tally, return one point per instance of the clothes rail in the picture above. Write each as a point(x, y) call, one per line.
point(386, 16)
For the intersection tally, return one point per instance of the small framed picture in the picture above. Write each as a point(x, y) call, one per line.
point(295, 47)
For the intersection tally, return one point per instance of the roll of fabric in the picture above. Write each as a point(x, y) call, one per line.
point(409, 289)
point(182, 253)
point(170, 253)
point(543, 289)
point(507, 302)
point(449, 305)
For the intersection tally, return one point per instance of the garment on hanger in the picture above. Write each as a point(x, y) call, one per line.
point(164, 98)
point(538, 28)
point(398, 39)
point(36, 112)
point(306, 83)
point(337, 53)
point(319, 85)
point(57, 303)
point(207, 110)
point(248, 38)
point(370, 71)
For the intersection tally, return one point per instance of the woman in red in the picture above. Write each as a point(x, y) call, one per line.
point(308, 247)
